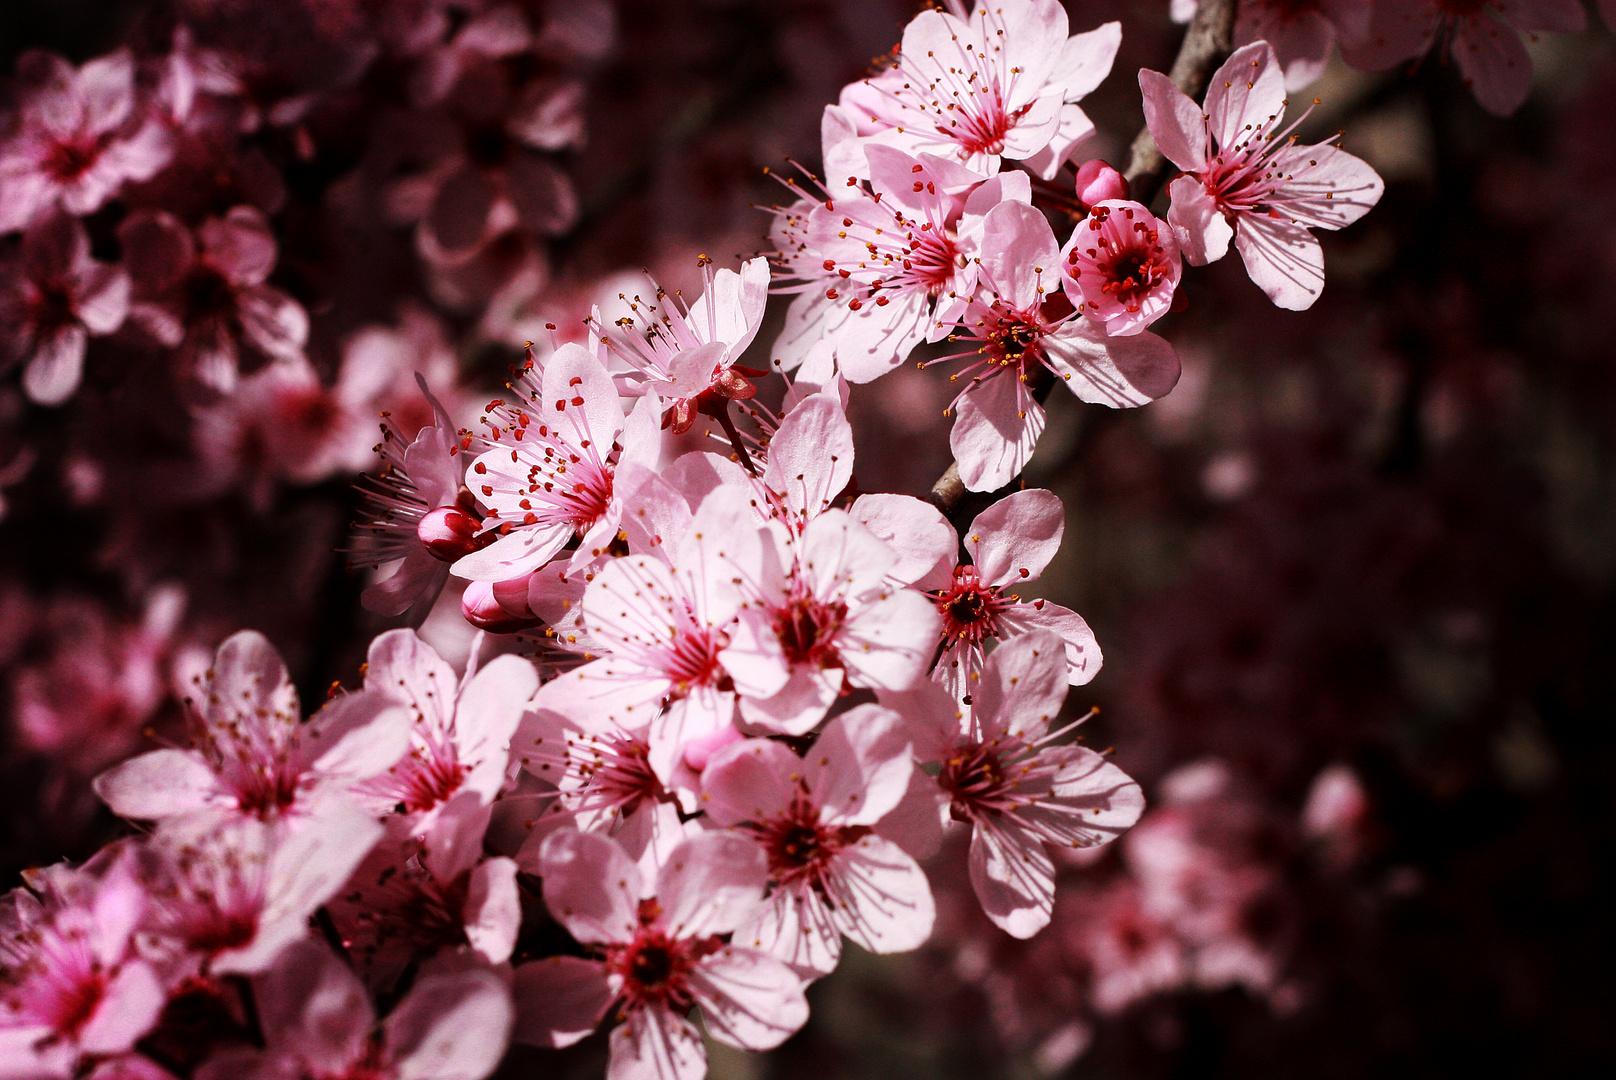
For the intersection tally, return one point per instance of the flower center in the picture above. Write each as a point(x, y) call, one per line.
point(70, 159)
point(969, 607)
point(805, 627)
point(974, 777)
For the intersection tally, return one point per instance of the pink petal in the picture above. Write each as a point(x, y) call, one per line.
point(1561, 16)
point(893, 909)
point(858, 768)
point(753, 780)
point(811, 456)
point(519, 552)
point(1245, 95)
point(591, 887)
point(273, 322)
point(451, 1027)
point(1091, 802)
point(748, 999)
point(1283, 259)
point(1494, 63)
point(559, 1000)
point(160, 784)
point(489, 707)
point(1175, 122)
point(1331, 188)
point(996, 426)
point(1023, 685)
point(129, 1007)
point(106, 86)
point(1013, 876)
point(917, 533)
point(545, 199)
point(241, 245)
point(1120, 372)
point(916, 823)
point(798, 706)
point(54, 370)
point(654, 1044)
point(605, 693)
point(1202, 230)
point(795, 927)
point(887, 644)
point(711, 883)
point(104, 302)
point(311, 1003)
point(493, 910)
point(1020, 259)
point(1015, 538)
point(1082, 651)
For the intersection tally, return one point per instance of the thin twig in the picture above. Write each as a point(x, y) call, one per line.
point(1206, 44)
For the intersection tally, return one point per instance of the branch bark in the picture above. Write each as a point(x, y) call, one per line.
point(1206, 44)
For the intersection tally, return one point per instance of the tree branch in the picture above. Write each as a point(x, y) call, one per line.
point(1206, 44)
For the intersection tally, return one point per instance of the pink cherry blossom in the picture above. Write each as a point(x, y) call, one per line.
point(233, 892)
point(252, 755)
point(55, 298)
point(655, 953)
point(79, 138)
point(1246, 179)
point(317, 1021)
point(1121, 267)
point(547, 477)
point(1010, 544)
point(603, 782)
point(838, 621)
point(886, 267)
point(830, 873)
point(460, 731)
point(1302, 32)
point(415, 481)
point(416, 896)
point(1482, 37)
point(206, 293)
point(687, 357)
point(997, 418)
point(72, 983)
point(675, 634)
point(1003, 773)
point(1003, 83)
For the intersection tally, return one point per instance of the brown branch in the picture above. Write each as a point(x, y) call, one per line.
point(1206, 44)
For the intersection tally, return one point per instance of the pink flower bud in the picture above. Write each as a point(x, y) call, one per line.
point(1097, 182)
point(448, 533)
point(511, 596)
point(482, 609)
point(698, 751)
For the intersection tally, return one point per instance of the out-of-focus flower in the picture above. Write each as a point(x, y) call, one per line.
point(54, 298)
point(78, 137)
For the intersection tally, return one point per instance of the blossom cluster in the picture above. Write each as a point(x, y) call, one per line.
point(721, 704)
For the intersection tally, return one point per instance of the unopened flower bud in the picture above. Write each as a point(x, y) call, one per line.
point(482, 610)
point(511, 596)
point(448, 533)
point(1097, 182)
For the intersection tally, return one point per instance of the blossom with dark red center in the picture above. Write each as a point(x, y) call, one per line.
point(73, 986)
point(1003, 83)
point(654, 953)
point(674, 636)
point(882, 268)
point(1121, 267)
point(252, 755)
point(816, 819)
point(78, 139)
point(460, 727)
point(548, 475)
point(53, 298)
point(1010, 543)
point(1021, 327)
point(1001, 770)
point(1247, 180)
point(686, 356)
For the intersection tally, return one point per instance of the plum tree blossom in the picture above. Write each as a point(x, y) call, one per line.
point(1121, 267)
point(813, 817)
point(1002, 772)
point(1003, 83)
point(80, 137)
point(657, 950)
point(56, 298)
point(252, 756)
point(1010, 544)
point(1247, 180)
point(1019, 335)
